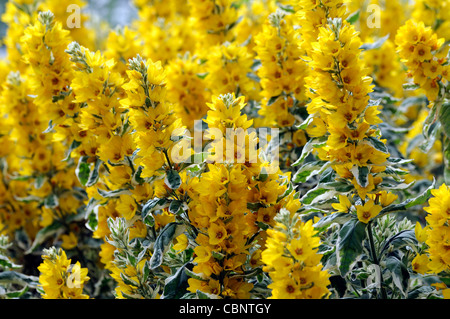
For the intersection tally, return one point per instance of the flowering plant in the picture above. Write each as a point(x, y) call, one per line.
point(244, 149)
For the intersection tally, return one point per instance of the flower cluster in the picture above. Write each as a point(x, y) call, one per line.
point(423, 54)
point(225, 149)
point(293, 261)
point(60, 279)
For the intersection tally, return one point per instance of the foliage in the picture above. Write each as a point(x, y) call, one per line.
point(117, 179)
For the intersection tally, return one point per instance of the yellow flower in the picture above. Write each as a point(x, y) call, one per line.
point(182, 243)
point(69, 241)
point(421, 233)
point(59, 278)
point(344, 204)
point(368, 211)
point(217, 233)
point(419, 264)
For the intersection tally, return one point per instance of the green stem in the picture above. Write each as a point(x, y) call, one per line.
point(167, 157)
point(375, 259)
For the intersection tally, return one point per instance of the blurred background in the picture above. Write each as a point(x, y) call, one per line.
point(115, 12)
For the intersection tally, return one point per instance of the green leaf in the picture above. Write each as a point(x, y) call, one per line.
point(411, 86)
point(162, 243)
point(444, 118)
point(316, 142)
point(361, 174)
point(422, 198)
point(340, 185)
point(82, 171)
point(204, 295)
point(137, 176)
point(400, 274)
point(310, 169)
point(91, 211)
point(72, 147)
point(128, 281)
point(192, 274)
point(350, 244)
point(176, 285)
point(173, 179)
point(13, 277)
point(113, 193)
point(377, 144)
point(17, 293)
point(149, 207)
point(375, 45)
point(339, 218)
point(175, 206)
point(352, 18)
point(5, 263)
point(312, 194)
point(272, 100)
point(202, 75)
point(408, 203)
point(50, 127)
point(305, 123)
point(94, 174)
point(400, 240)
point(51, 201)
point(40, 179)
point(44, 234)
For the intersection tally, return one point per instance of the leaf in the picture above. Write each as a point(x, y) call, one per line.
point(400, 274)
point(175, 206)
point(305, 123)
point(17, 293)
point(82, 171)
point(352, 18)
point(444, 118)
point(128, 281)
point(202, 75)
point(51, 201)
point(340, 185)
point(162, 243)
point(339, 218)
point(411, 86)
point(72, 147)
point(94, 174)
point(113, 193)
point(390, 184)
point(50, 127)
point(312, 194)
point(192, 274)
point(375, 45)
point(149, 207)
point(176, 285)
point(408, 203)
point(361, 174)
point(316, 142)
point(137, 176)
point(204, 295)
point(377, 144)
point(12, 277)
point(350, 244)
point(5, 263)
point(272, 100)
point(422, 198)
point(173, 179)
point(402, 239)
point(310, 169)
point(91, 211)
point(45, 233)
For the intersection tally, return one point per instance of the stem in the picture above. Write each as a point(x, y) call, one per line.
point(375, 259)
point(167, 157)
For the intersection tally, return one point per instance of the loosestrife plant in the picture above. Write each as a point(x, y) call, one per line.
point(225, 149)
